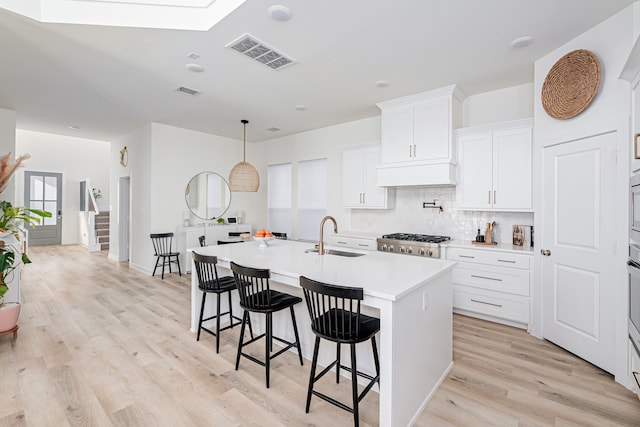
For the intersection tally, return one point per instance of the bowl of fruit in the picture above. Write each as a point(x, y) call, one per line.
point(263, 236)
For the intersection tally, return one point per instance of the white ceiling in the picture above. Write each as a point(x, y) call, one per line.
point(109, 81)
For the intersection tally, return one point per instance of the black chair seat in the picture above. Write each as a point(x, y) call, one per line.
point(224, 284)
point(279, 301)
point(334, 321)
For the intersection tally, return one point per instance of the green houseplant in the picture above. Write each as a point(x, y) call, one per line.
point(13, 220)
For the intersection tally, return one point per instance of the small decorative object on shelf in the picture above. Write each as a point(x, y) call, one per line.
point(124, 157)
point(97, 194)
point(220, 220)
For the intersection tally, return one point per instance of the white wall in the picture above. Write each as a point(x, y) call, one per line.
point(77, 159)
point(8, 144)
point(611, 41)
point(512, 103)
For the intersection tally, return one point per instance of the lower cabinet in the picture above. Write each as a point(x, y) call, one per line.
point(355, 241)
point(188, 237)
point(634, 368)
point(492, 285)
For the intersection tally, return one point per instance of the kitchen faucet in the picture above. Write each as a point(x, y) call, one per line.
point(335, 230)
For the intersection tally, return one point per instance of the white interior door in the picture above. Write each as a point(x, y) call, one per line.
point(578, 273)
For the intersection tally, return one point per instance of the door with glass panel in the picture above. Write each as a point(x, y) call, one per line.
point(43, 190)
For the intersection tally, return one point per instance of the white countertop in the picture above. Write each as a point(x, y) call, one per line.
point(382, 275)
point(500, 247)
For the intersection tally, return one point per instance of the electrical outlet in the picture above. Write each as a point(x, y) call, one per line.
point(425, 300)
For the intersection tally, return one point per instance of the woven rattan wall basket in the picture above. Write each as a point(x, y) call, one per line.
point(571, 84)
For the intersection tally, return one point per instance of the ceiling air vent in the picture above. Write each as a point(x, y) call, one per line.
point(188, 91)
point(255, 49)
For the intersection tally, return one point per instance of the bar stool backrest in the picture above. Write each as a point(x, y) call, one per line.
point(206, 271)
point(203, 241)
point(334, 310)
point(253, 287)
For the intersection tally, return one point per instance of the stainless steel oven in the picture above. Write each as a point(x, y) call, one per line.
point(633, 266)
point(634, 208)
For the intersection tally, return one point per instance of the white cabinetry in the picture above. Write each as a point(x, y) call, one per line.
point(188, 238)
point(417, 138)
point(355, 240)
point(491, 284)
point(359, 176)
point(495, 167)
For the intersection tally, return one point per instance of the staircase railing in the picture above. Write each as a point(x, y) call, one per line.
point(88, 211)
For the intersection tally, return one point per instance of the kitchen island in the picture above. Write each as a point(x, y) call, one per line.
point(411, 295)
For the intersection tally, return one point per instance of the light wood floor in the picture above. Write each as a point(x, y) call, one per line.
point(101, 344)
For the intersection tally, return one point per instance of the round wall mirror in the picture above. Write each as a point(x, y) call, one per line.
point(208, 195)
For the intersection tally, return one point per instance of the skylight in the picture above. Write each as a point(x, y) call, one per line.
point(199, 15)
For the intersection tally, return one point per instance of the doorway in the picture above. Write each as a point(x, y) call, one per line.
point(124, 217)
point(43, 190)
point(578, 269)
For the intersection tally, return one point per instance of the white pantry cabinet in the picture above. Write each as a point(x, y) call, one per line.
point(417, 138)
point(492, 284)
point(359, 174)
point(495, 167)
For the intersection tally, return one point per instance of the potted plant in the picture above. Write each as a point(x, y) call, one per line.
point(13, 220)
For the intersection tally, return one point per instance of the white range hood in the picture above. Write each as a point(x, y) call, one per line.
point(416, 174)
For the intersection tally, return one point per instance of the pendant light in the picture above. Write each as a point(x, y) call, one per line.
point(244, 176)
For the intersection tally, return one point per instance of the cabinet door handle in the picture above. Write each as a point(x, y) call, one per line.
point(363, 245)
point(495, 199)
point(414, 150)
point(489, 196)
point(487, 303)
point(466, 256)
point(364, 198)
point(506, 260)
point(410, 151)
point(341, 243)
point(485, 277)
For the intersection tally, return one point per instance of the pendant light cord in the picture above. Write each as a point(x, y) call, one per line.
point(244, 154)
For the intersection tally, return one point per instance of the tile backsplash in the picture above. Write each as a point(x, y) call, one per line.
point(410, 217)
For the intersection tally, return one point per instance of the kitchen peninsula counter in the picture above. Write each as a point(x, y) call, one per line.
point(411, 295)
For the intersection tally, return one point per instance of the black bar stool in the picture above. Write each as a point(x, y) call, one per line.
point(162, 243)
point(210, 282)
point(257, 297)
point(335, 316)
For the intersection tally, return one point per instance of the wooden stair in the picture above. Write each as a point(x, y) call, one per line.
point(102, 230)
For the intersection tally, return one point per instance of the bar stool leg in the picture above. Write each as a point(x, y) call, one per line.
point(354, 386)
point(244, 319)
point(338, 363)
point(218, 323)
point(295, 332)
point(312, 377)
point(375, 357)
point(268, 345)
point(204, 298)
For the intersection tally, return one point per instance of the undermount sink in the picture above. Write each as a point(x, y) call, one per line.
point(335, 252)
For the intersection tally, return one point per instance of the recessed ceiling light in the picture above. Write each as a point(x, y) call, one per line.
point(521, 42)
point(279, 13)
point(193, 55)
point(196, 68)
point(74, 127)
point(301, 107)
point(382, 83)
point(273, 129)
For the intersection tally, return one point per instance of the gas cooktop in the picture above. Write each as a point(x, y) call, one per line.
point(427, 238)
point(412, 244)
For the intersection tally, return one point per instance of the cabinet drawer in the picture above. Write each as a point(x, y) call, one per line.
point(501, 279)
point(480, 256)
point(496, 304)
point(354, 242)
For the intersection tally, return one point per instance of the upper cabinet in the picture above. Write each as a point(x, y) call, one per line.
point(495, 167)
point(359, 180)
point(417, 138)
